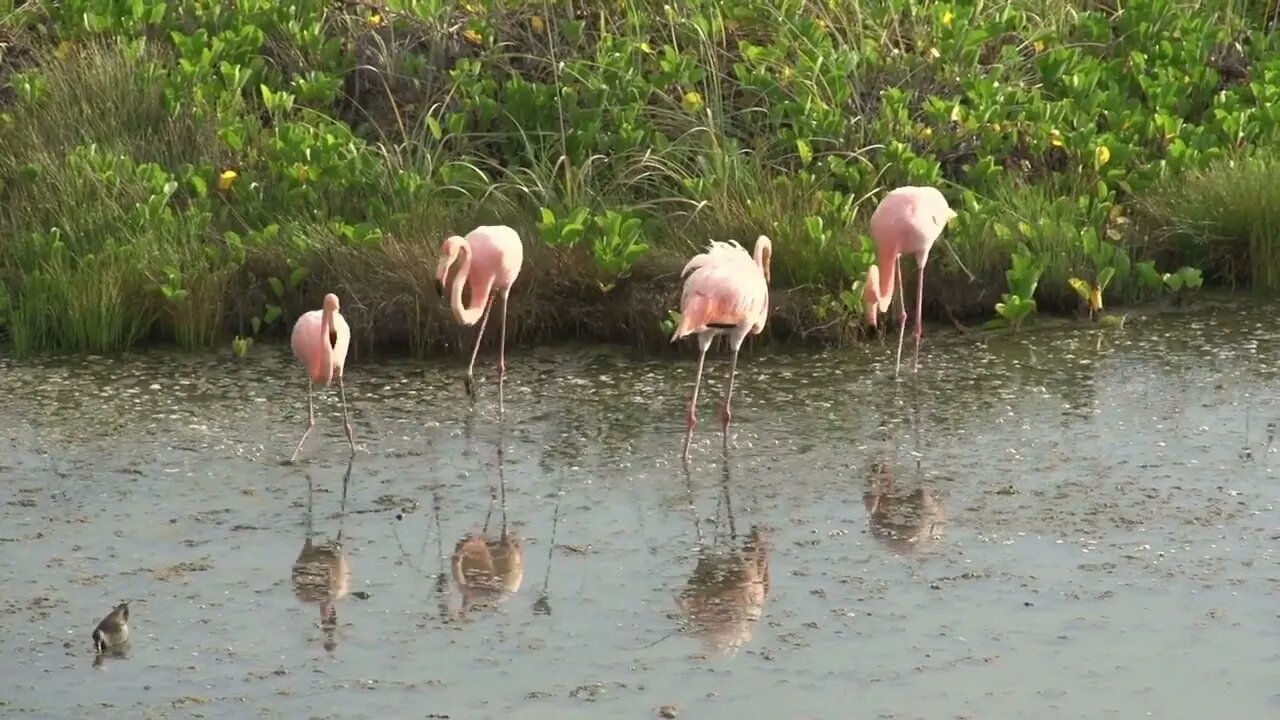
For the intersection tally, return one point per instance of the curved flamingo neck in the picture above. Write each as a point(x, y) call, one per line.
point(763, 255)
point(462, 313)
point(326, 347)
point(887, 264)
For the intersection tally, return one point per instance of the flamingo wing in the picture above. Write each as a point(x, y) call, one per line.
point(723, 292)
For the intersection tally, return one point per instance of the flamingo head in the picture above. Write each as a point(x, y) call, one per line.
point(331, 304)
point(764, 255)
point(871, 296)
point(448, 254)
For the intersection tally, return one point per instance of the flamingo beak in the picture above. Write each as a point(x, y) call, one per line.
point(440, 287)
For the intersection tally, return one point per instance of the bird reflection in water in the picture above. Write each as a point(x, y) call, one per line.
point(321, 574)
point(724, 598)
point(907, 521)
point(487, 570)
point(542, 606)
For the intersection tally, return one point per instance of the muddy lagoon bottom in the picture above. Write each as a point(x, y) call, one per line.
point(1062, 524)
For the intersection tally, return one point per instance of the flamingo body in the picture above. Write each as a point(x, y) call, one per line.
point(908, 221)
point(320, 341)
point(726, 291)
point(490, 258)
point(308, 342)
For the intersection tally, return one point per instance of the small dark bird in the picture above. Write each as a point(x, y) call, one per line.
point(113, 631)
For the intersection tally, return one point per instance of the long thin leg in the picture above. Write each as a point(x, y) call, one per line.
point(919, 310)
point(346, 424)
point(902, 314)
point(484, 320)
point(311, 422)
point(502, 350)
point(346, 481)
point(726, 412)
point(705, 343)
point(488, 514)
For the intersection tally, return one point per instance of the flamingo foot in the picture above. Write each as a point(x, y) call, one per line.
point(468, 383)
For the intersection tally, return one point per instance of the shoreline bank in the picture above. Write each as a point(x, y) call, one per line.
point(374, 338)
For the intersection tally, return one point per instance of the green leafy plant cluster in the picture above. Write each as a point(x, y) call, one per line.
point(196, 170)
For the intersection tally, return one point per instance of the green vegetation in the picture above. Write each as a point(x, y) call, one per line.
point(202, 170)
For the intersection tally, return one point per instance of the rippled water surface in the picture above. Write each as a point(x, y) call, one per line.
point(1053, 525)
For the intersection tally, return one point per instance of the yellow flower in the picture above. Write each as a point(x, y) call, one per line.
point(947, 18)
point(472, 37)
point(227, 179)
point(646, 48)
point(1055, 138)
point(1101, 156)
point(926, 133)
point(1038, 46)
point(692, 101)
point(375, 20)
point(537, 24)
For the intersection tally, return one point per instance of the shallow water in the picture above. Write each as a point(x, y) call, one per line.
point(1036, 525)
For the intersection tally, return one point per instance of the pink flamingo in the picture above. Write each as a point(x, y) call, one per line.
point(320, 341)
point(491, 259)
point(908, 221)
point(726, 291)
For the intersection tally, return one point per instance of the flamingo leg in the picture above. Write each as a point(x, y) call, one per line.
point(502, 349)
point(919, 330)
point(346, 423)
point(484, 320)
point(902, 314)
point(502, 337)
point(705, 343)
point(311, 422)
point(726, 413)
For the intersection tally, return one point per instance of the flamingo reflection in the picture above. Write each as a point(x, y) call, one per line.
point(487, 570)
point(907, 521)
point(321, 574)
point(724, 598)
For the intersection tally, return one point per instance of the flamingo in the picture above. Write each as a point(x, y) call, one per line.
point(491, 256)
point(320, 340)
point(726, 291)
point(908, 221)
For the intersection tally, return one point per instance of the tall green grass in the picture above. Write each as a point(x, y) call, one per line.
point(1224, 219)
point(359, 143)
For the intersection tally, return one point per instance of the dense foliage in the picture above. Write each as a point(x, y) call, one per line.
point(192, 169)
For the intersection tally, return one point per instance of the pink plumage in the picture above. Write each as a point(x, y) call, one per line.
point(908, 220)
point(320, 341)
point(724, 287)
point(726, 291)
point(490, 260)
